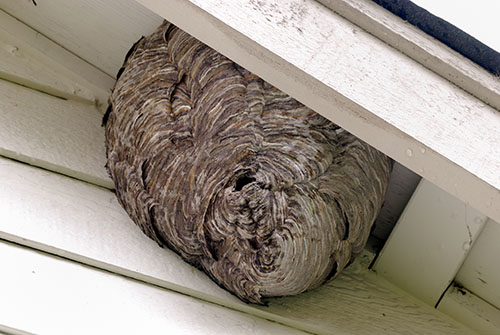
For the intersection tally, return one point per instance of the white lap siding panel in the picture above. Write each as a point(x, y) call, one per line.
point(98, 31)
point(56, 134)
point(82, 222)
point(42, 294)
point(31, 59)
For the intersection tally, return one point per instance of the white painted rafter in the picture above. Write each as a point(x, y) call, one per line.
point(429, 243)
point(420, 47)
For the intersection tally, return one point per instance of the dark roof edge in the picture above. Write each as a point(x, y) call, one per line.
point(445, 32)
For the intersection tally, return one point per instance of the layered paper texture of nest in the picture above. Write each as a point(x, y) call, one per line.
point(242, 181)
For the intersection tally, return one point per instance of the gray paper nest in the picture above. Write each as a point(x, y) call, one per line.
point(241, 180)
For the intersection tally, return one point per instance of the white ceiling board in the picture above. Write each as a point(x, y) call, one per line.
point(32, 60)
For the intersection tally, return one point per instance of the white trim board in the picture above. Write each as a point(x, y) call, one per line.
point(463, 305)
point(387, 99)
point(421, 47)
point(429, 243)
point(480, 272)
point(402, 184)
point(85, 223)
point(76, 299)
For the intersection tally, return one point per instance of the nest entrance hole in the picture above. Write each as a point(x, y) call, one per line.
point(242, 181)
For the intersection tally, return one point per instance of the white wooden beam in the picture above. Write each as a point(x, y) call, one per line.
point(429, 243)
point(402, 184)
point(47, 295)
point(31, 59)
point(465, 306)
point(100, 32)
point(387, 99)
point(85, 223)
point(60, 135)
point(419, 46)
point(480, 272)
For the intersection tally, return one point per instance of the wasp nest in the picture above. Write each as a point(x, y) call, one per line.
point(241, 180)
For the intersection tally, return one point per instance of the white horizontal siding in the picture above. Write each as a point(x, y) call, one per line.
point(42, 294)
point(101, 32)
point(31, 59)
point(82, 222)
point(60, 135)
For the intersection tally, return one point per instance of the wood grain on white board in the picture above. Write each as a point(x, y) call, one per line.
point(387, 99)
point(421, 47)
point(60, 135)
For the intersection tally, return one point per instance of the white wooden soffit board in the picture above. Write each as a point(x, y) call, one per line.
point(30, 59)
point(429, 243)
point(421, 47)
point(85, 223)
point(402, 184)
point(81, 300)
point(60, 135)
point(471, 310)
point(480, 272)
point(99, 31)
point(387, 99)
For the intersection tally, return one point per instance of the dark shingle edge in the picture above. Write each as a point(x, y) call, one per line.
point(445, 32)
